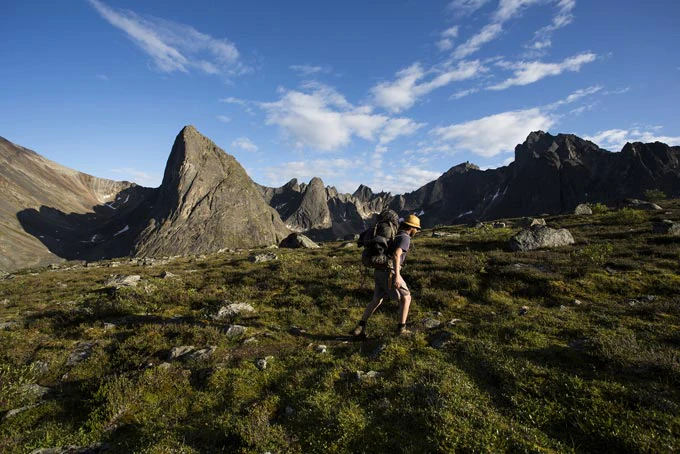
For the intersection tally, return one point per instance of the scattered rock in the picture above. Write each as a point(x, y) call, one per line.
point(321, 349)
point(117, 281)
point(666, 227)
point(40, 367)
point(4, 302)
point(479, 225)
point(298, 240)
point(35, 391)
point(108, 325)
point(178, 352)
point(92, 449)
point(250, 340)
point(499, 225)
point(235, 331)
point(360, 375)
point(202, 354)
point(168, 275)
point(583, 210)
point(164, 365)
point(440, 340)
point(348, 245)
point(262, 363)
point(523, 310)
point(7, 326)
point(527, 223)
point(454, 321)
point(540, 237)
point(632, 302)
point(297, 331)
point(114, 264)
point(445, 235)
point(81, 353)
point(16, 411)
point(576, 303)
point(265, 257)
point(232, 310)
point(431, 323)
point(640, 205)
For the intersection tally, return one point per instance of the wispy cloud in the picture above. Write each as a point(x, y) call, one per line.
point(223, 118)
point(245, 104)
point(324, 120)
point(340, 170)
point(615, 139)
point(446, 39)
point(577, 95)
point(508, 10)
point(415, 82)
point(173, 46)
point(526, 73)
point(543, 37)
point(494, 134)
point(245, 144)
point(310, 70)
point(466, 7)
point(463, 93)
point(103, 77)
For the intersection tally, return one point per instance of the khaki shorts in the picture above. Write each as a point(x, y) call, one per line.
point(382, 287)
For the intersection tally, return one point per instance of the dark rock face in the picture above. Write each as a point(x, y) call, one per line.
point(206, 202)
point(550, 174)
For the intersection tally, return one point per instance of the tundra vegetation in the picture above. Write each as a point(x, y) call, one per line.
point(574, 349)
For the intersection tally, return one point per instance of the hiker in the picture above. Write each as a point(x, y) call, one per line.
point(389, 282)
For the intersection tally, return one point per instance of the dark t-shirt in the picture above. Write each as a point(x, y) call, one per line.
point(403, 241)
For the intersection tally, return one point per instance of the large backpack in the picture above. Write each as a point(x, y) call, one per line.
point(377, 240)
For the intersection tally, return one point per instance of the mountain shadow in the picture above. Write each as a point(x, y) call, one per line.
point(109, 231)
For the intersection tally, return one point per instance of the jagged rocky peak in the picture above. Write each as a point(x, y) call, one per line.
point(207, 202)
point(558, 149)
point(463, 167)
point(363, 193)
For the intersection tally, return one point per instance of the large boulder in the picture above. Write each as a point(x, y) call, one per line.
point(583, 209)
point(639, 205)
point(298, 240)
point(540, 237)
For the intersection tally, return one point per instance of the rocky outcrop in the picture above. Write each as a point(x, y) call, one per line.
point(298, 241)
point(206, 202)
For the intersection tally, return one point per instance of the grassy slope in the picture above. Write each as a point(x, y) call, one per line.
point(600, 376)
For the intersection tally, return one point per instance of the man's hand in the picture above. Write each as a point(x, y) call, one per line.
point(398, 282)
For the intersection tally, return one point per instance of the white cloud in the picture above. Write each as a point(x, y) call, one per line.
point(406, 89)
point(463, 93)
point(239, 102)
point(138, 176)
point(564, 16)
point(103, 77)
point(397, 127)
point(577, 95)
point(499, 133)
point(408, 178)
point(173, 46)
point(529, 72)
point(466, 7)
point(308, 70)
point(446, 41)
point(510, 9)
point(324, 120)
point(223, 118)
point(472, 45)
point(245, 144)
point(615, 139)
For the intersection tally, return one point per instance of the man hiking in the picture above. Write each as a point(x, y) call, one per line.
point(389, 282)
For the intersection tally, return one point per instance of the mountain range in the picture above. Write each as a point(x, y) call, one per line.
point(207, 202)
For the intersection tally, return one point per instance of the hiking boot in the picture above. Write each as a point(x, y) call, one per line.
point(402, 331)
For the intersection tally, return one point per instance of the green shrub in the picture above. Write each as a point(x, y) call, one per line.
point(654, 195)
point(599, 208)
point(625, 216)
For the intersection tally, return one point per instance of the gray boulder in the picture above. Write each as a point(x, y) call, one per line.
point(266, 257)
point(540, 237)
point(233, 309)
point(117, 281)
point(297, 241)
point(666, 227)
point(640, 205)
point(583, 210)
point(81, 353)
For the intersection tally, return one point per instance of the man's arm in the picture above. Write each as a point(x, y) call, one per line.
point(397, 267)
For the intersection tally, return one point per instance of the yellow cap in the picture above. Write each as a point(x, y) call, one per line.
point(412, 221)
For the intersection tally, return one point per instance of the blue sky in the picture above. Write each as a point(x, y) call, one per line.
point(385, 93)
